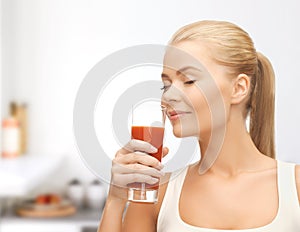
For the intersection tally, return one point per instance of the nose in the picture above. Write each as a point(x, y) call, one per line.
point(172, 94)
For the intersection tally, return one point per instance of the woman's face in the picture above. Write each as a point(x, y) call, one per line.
point(195, 95)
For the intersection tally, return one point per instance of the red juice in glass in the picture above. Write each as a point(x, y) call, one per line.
point(152, 135)
point(148, 121)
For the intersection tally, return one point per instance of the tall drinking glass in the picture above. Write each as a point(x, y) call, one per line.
point(148, 124)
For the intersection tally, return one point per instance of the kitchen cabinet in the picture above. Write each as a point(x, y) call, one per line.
point(82, 221)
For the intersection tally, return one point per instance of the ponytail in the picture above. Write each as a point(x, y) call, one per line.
point(262, 107)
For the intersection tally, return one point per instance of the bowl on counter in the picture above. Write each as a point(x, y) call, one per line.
point(76, 193)
point(95, 195)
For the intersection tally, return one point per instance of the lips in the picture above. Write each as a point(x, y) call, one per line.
point(174, 115)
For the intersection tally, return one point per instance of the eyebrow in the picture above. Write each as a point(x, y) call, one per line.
point(178, 72)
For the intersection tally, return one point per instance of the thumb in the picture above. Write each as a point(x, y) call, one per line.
point(165, 151)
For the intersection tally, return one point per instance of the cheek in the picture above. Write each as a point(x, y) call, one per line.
point(202, 114)
point(210, 107)
point(199, 122)
point(218, 103)
point(223, 102)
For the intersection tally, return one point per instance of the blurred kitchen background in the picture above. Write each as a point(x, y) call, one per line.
point(47, 48)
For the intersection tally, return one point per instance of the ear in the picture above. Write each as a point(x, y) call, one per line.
point(240, 89)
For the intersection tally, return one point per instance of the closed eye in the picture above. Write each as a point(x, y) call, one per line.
point(190, 82)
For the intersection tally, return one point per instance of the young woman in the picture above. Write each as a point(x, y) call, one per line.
point(245, 188)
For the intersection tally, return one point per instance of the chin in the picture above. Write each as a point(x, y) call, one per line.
point(181, 132)
point(177, 133)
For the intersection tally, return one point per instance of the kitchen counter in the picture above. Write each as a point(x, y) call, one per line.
point(20, 175)
point(84, 220)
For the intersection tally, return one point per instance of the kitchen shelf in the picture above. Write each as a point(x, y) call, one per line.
point(20, 175)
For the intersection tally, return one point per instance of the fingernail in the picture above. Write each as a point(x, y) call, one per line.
point(154, 180)
point(153, 149)
point(160, 165)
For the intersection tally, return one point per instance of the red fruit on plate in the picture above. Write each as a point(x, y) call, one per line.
point(46, 199)
point(41, 199)
point(54, 199)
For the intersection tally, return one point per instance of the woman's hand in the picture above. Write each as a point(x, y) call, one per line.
point(133, 163)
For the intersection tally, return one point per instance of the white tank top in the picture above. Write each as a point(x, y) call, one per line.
point(286, 220)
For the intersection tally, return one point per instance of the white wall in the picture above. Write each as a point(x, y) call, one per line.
point(1, 95)
point(48, 46)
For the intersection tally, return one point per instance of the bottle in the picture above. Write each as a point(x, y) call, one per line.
point(19, 112)
point(10, 137)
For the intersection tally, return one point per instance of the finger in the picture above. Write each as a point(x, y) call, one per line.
point(138, 145)
point(138, 157)
point(137, 168)
point(125, 179)
point(165, 151)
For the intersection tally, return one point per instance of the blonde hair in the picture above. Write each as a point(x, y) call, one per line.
point(233, 48)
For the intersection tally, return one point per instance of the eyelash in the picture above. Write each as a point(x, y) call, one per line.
point(164, 87)
point(190, 82)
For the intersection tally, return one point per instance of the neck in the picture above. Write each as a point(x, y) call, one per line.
point(237, 153)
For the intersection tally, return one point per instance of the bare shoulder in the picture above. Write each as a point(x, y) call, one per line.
point(297, 173)
point(143, 217)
